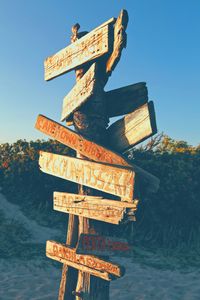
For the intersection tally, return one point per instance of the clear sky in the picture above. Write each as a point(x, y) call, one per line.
point(163, 50)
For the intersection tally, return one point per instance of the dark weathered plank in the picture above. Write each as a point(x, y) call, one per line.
point(111, 179)
point(93, 244)
point(133, 128)
point(86, 263)
point(123, 100)
point(126, 99)
point(77, 142)
point(92, 207)
point(91, 46)
point(119, 40)
point(81, 92)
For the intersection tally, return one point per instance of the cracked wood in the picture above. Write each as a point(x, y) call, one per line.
point(133, 128)
point(91, 46)
point(82, 91)
point(120, 40)
point(126, 99)
point(111, 179)
point(92, 207)
point(79, 143)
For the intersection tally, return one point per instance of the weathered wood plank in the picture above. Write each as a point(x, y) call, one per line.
point(120, 38)
point(133, 128)
point(77, 198)
point(111, 179)
point(94, 244)
point(91, 46)
point(90, 149)
point(81, 92)
point(92, 207)
point(86, 263)
point(126, 99)
point(79, 143)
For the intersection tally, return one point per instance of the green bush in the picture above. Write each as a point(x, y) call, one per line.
point(169, 218)
point(24, 184)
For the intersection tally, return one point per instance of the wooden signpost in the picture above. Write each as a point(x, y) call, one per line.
point(97, 169)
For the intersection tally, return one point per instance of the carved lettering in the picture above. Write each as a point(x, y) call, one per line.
point(107, 178)
point(79, 143)
point(54, 249)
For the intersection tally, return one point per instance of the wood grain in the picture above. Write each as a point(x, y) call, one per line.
point(92, 207)
point(79, 143)
point(126, 99)
point(123, 100)
point(116, 180)
point(91, 46)
point(87, 263)
point(81, 92)
point(133, 128)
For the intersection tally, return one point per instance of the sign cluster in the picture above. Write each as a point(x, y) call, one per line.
point(99, 167)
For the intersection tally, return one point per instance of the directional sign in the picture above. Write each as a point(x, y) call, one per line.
point(86, 263)
point(92, 207)
point(90, 149)
point(94, 244)
point(126, 99)
point(77, 142)
point(91, 46)
point(133, 128)
point(111, 179)
point(81, 92)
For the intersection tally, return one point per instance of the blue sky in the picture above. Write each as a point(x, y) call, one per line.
point(163, 50)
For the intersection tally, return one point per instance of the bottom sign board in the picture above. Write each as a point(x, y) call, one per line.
point(94, 244)
point(92, 207)
point(86, 263)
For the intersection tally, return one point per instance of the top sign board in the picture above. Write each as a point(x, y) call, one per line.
point(91, 46)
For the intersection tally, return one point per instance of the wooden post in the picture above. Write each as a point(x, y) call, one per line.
point(92, 122)
point(69, 275)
